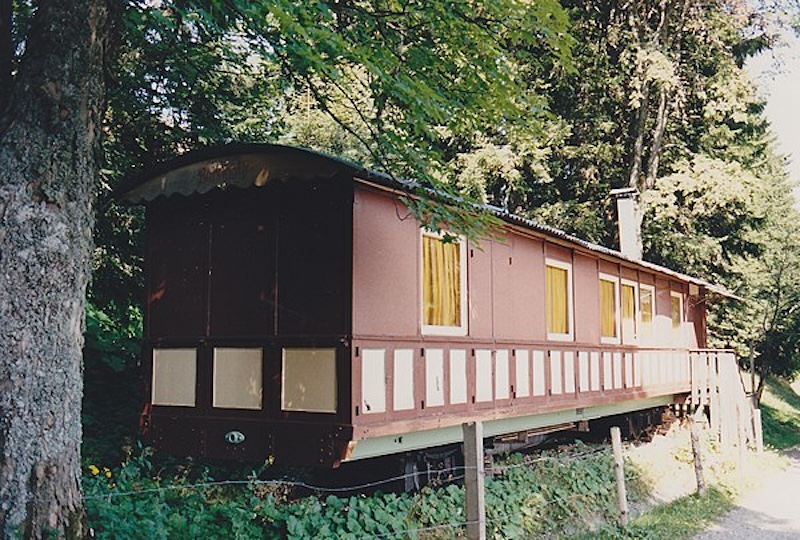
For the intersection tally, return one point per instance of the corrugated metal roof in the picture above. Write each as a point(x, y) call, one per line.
point(246, 165)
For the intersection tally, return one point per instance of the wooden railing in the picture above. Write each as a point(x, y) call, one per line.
point(717, 385)
point(404, 378)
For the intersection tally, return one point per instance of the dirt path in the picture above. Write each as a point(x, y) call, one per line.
point(769, 511)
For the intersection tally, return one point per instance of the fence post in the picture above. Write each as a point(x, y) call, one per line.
point(474, 480)
point(622, 496)
point(698, 461)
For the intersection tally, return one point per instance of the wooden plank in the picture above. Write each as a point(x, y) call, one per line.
point(619, 470)
point(474, 480)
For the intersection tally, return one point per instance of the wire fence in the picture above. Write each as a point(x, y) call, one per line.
point(442, 473)
point(446, 476)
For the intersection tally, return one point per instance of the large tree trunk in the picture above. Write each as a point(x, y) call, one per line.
point(49, 160)
point(635, 175)
point(657, 140)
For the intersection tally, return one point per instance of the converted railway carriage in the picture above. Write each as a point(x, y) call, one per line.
point(295, 309)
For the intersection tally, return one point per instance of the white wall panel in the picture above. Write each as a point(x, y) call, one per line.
point(583, 371)
point(522, 373)
point(617, 370)
point(628, 370)
point(403, 394)
point(556, 384)
point(637, 369)
point(608, 380)
point(483, 375)
point(458, 376)
point(373, 381)
point(434, 377)
point(569, 372)
point(502, 379)
point(539, 387)
point(595, 371)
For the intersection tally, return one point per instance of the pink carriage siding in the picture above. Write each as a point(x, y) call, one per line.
point(586, 299)
point(505, 282)
point(385, 266)
point(479, 291)
point(506, 325)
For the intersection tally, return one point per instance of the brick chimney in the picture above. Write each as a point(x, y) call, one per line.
point(629, 222)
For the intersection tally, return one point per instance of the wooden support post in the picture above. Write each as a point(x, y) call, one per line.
point(619, 469)
point(474, 480)
point(741, 444)
point(714, 406)
point(757, 430)
point(698, 461)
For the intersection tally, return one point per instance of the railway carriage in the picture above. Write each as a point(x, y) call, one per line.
point(295, 310)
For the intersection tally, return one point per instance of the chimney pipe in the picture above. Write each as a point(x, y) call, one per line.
point(629, 221)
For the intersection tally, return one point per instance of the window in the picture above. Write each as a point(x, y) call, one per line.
point(237, 378)
point(609, 309)
point(630, 326)
point(309, 380)
point(444, 285)
point(558, 300)
point(647, 294)
point(676, 309)
point(174, 377)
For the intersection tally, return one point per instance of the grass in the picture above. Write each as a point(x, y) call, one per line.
point(682, 518)
point(780, 414)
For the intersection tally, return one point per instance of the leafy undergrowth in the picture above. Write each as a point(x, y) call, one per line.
point(570, 490)
point(565, 493)
point(780, 414)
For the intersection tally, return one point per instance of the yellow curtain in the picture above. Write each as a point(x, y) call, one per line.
point(646, 306)
point(556, 301)
point(608, 309)
point(441, 283)
point(628, 313)
point(677, 316)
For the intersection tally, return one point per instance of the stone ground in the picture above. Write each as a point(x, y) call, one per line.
point(769, 511)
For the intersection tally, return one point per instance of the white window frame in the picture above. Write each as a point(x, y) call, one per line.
point(637, 317)
point(617, 310)
point(438, 330)
point(570, 335)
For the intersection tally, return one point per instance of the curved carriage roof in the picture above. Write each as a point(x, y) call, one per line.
point(251, 164)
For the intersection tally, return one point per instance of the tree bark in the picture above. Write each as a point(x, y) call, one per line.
point(635, 177)
point(6, 53)
point(657, 140)
point(49, 158)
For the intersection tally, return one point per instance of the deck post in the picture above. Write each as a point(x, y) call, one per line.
point(474, 480)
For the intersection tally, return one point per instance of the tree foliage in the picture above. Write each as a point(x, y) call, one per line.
point(539, 108)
